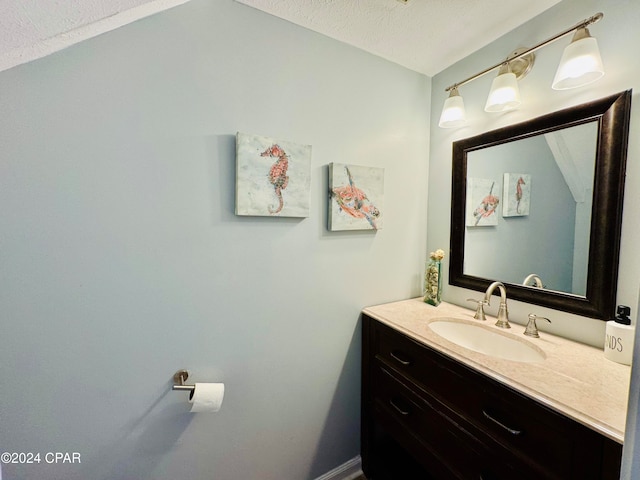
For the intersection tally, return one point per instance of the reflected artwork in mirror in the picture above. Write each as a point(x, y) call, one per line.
point(549, 226)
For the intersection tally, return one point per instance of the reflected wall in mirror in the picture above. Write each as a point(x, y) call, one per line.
point(548, 223)
point(542, 224)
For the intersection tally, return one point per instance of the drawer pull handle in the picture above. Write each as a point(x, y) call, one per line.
point(399, 358)
point(512, 431)
point(400, 410)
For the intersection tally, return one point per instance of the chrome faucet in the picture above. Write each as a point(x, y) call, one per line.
point(503, 313)
point(535, 278)
point(479, 315)
point(532, 328)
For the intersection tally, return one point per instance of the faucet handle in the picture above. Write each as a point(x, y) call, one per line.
point(532, 328)
point(479, 308)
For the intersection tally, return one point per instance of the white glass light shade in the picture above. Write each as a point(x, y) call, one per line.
point(581, 63)
point(504, 93)
point(453, 114)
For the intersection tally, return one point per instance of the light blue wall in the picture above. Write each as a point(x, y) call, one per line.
point(122, 260)
point(616, 33)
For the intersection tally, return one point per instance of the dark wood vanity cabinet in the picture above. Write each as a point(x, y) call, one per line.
point(425, 415)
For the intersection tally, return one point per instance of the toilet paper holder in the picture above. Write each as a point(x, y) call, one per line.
point(178, 381)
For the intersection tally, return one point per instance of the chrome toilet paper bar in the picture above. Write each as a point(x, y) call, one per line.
point(178, 380)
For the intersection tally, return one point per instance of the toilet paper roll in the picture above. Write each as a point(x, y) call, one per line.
point(206, 397)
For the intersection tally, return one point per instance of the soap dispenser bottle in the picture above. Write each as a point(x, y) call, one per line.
point(618, 345)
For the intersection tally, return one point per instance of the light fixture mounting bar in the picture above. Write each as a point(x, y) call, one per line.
point(583, 24)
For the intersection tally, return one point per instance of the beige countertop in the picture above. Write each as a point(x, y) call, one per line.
point(574, 379)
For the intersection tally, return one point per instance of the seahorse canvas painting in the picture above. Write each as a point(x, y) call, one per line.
point(516, 194)
point(483, 198)
point(355, 197)
point(273, 177)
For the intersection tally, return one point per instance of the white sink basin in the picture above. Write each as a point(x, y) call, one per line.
point(482, 339)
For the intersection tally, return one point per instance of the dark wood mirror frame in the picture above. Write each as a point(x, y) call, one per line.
point(612, 114)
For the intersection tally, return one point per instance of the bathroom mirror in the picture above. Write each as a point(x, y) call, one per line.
point(538, 206)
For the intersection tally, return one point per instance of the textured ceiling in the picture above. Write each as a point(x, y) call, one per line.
point(423, 35)
point(31, 29)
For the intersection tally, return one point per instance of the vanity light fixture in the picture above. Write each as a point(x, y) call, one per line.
point(453, 114)
point(504, 94)
point(580, 65)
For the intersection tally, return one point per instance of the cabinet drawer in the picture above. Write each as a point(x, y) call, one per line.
point(399, 408)
point(537, 436)
point(430, 370)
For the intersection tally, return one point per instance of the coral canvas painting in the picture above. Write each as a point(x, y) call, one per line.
point(355, 197)
point(482, 202)
point(516, 194)
point(273, 177)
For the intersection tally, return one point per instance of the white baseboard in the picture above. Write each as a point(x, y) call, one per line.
point(347, 471)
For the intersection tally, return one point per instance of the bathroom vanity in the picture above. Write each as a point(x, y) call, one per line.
point(434, 409)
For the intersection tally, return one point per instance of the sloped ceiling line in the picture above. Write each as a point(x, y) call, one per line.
point(426, 36)
point(32, 29)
